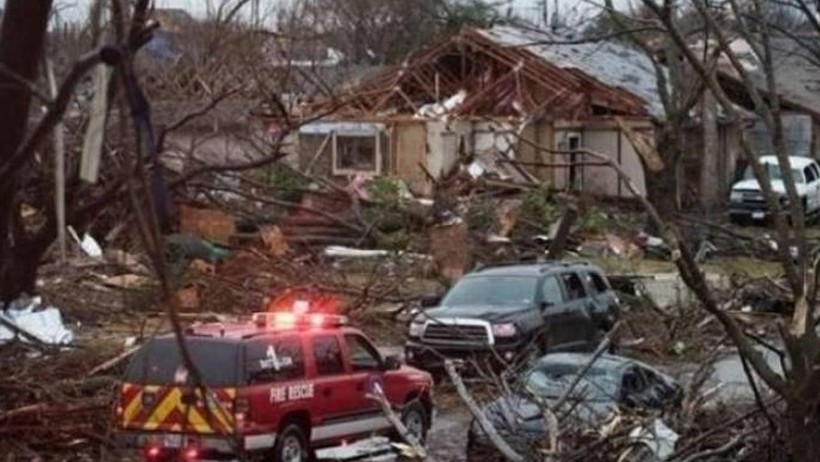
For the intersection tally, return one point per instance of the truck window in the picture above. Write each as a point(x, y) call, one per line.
point(574, 286)
point(598, 284)
point(363, 357)
point(328, 355)
point(159, 362)
point(810, 176)
point(274, 360)
point(552, 292)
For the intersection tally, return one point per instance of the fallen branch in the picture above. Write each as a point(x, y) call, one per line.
point(482, 420)
point(415, 444)
point(719, 451)
point(40, 409)
point(114, 361)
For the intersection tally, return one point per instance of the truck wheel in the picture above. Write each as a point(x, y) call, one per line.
point(291, 445)
point(414, 418)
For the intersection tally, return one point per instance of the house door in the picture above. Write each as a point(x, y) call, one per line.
point(572, 141)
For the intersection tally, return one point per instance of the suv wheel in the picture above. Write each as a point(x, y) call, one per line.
point(414, 418)
point(291, 445)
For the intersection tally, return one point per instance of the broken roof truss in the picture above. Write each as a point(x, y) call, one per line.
point(492, 79)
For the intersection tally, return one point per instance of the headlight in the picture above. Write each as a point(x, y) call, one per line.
point(415, 329)
point(504, 330)
point(736, 196)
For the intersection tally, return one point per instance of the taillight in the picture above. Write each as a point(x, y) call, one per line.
point(191, 454)
point(153, 453)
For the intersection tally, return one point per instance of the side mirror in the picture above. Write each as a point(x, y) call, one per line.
point(545, 304)
point(430, 301)
point(392, 363)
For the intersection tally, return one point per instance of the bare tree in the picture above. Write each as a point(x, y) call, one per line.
point(799, 262)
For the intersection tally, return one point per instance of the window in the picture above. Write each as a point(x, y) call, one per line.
point(573, 141)
point(574, 286)
point(634, 382)
point(773, 170)
point(816, 169)
point(274, 360)
point(160, 362)
point(492, 290)
point(362, 355)
point(328, 355)
point(552, 293)
point(810, 176)
point(597, 283)
point(356, 153)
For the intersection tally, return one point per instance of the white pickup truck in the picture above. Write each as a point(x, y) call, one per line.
point(747, 201)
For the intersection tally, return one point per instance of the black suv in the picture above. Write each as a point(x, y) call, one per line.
point(514, 309)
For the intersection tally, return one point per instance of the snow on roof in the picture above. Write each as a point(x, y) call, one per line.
point(612, 63)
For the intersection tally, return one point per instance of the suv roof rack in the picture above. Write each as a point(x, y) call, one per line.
point(502, 264)
point(545, 264)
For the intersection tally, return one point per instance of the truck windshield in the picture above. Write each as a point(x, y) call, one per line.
point(159, 362)
point(492, 290)
point(774, 173)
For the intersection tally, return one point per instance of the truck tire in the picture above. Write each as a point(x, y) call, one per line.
point(414, 418)
point(291, 445)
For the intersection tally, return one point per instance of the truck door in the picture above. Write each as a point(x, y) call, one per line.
point(276, 377)
point(367, 373)
point(555, 312)
point(814, 186)
point(579, 325)
point(604, 300)
point(334, 402)
point(811, 188)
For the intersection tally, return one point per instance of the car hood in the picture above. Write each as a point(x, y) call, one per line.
point(491, 313)
point(777, 185)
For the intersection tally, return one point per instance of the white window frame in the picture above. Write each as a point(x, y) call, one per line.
point(345, 171)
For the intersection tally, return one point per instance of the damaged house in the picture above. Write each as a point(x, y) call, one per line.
point(499, 97)
point(717, 159)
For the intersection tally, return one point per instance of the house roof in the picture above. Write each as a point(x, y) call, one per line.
point(610, 62)
point(476, 73)
point(797, 74)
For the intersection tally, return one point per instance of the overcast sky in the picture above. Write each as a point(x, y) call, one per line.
point(529, 9)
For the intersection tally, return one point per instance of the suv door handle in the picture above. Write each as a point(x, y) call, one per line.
point(327, 391)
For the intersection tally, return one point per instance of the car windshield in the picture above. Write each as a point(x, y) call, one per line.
point(774, 173)
point(159, 362)
point(492, 290)
point(552, 381)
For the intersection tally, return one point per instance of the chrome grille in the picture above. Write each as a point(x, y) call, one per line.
point(456, 333)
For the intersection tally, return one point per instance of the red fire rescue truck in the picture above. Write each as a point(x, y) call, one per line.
point(279, 386)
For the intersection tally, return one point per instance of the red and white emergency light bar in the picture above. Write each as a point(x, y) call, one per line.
point(286, 320)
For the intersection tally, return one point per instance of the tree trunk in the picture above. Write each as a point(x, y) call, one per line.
point(22, 39)
point(804, 431)
point(18, 272)
point(662, 187)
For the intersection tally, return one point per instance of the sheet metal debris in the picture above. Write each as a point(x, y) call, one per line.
point(32, 317)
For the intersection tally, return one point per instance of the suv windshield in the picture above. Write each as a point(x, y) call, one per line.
point(774, 173)
point(492, 290)
point(159, 362)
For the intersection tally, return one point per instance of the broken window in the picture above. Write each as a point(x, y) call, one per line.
point(356, 153)
point(574, 286)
